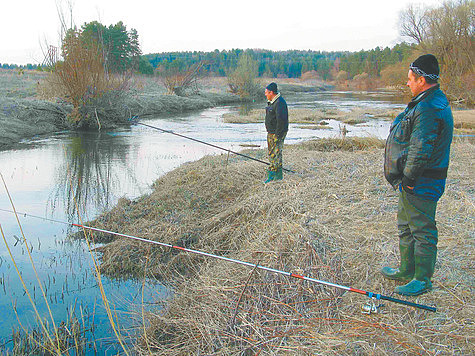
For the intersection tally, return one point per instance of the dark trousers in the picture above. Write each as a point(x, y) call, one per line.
point(416, 225)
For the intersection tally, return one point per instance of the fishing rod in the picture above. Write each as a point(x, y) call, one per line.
point(135, 119)
point(369, 308)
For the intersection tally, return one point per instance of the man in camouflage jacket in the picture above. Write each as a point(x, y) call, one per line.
point(416, 162)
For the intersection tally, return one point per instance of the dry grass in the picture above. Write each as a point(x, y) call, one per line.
point(464, 121)
point(334, 221)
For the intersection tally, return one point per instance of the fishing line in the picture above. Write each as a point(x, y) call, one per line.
point(373, 296)
point(135, 119)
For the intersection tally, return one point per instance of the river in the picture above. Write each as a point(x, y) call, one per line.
point(73, 173)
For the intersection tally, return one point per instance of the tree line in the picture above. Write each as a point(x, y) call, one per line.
point(288, 64)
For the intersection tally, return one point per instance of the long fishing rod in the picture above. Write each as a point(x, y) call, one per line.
point(134, 120)
point(371, 295)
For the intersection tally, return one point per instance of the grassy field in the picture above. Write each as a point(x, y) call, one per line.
point(334, 220)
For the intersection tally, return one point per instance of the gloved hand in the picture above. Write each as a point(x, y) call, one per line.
point(408, 184)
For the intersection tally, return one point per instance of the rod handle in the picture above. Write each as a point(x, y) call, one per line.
point(411, 304)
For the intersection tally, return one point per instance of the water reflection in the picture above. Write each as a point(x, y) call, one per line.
point(87, 179)
point(46, 180)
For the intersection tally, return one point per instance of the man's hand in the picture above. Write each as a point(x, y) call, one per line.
point(408, 184)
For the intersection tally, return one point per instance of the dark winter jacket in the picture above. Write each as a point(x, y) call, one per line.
point(277, 117)
point(418, 145)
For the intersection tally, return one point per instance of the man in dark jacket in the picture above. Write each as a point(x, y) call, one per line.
point(416, 161)
point(277, 125)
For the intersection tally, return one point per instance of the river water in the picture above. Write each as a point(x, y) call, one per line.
point(67, 173)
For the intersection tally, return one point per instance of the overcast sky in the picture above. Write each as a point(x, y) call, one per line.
point(178, 25)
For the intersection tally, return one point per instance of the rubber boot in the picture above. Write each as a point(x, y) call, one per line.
point(270, 176)
point(424, 269)
point(278, 174)
point(405, 272)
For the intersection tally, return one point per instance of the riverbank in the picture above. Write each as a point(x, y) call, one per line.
point(335, 221)
point(24, 115)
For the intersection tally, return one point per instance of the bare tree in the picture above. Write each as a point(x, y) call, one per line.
point(178, 81)
point(449, 33)
point(413, 24)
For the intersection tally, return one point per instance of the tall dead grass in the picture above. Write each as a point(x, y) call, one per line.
point(334, 221)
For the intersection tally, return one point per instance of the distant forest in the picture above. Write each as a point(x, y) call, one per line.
point(274, 64)
point(287, 64)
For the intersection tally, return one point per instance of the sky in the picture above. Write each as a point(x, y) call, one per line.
point(27, 27)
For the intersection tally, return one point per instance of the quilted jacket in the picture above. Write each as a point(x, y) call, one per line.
point(418, 145)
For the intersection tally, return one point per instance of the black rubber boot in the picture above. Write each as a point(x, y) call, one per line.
point(405, 272)
point(424, 269)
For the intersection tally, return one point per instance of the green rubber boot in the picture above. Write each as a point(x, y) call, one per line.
point(421, 282)
point(270, 176)
point(278, 174)
point(405, 272)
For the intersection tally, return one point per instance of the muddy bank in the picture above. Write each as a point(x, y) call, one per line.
point(335, 220)
point(27, 118)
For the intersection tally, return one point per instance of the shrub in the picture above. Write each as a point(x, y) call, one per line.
point(243, 80)
point(82, 80)
point(178, 79)
point(362, 81)
point(342, 76)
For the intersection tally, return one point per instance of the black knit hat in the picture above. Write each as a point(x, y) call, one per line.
point(426, 66)
point(272, 87)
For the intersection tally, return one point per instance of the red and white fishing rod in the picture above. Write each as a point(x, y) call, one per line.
point(371, 295)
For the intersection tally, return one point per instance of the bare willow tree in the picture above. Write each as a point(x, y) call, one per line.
point(178, 80)
point(92, 72)
point(447, 32)
point(413, 23)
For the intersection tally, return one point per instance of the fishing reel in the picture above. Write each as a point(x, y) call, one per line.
point(134, 119)
point(370, 307)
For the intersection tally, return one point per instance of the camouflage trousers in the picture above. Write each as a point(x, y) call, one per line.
point(275, 147)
